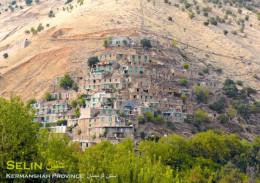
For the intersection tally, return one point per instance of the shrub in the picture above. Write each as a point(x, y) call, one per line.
point(186, 65)
point(170, 125)
point(174, 43)
point(142, 135)
point(146, 43)
point(234, 32)
point(28, 2)
point(40, 28)
point(48, 97)
point(200, 117)
point(141, 120)
point(27, 32)
point(219, 70)
point(176, 93)
point(184, 82)
point(68, 1)
point(158, 120)
point(73, 103)
point(206, 14)
point(239, 11)
point(5, 55)
point(223, 118)
point(184, 98)
point(225, 32)
point(149, 116)
point(191, 15)
point(219, 105)
point(75, 86)
point(206, 23)
point(51, 14)
point(170, 18)
point(239, 82)
point(62, 122)
point(202, 93)
point(205, 70)
point(66, 82)
point(77, 112)
point(247, 17)
point(255, 76)
point(213, 21)
point(230, 88)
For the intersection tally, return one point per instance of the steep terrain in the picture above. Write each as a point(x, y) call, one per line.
point(77, 32)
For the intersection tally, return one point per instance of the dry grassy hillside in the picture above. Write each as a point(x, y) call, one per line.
point(76, 33)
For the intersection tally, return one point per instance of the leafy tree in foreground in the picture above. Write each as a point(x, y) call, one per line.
point(18, 134)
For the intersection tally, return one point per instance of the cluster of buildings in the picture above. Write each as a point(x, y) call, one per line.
point(120, 88)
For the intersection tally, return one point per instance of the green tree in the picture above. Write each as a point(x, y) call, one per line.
point(146, 43)
point(184, 82)
point(202, 93)
point(219, 105)
point(223, 118)
point(66, 82)
point(200, 117)
point(149, 116)
point(92, 61)
point(18, 134)
point(28, 2)
point(77, 112)
point(73, 103)
point(5, 55)
point(48, 97)
point(230, 88)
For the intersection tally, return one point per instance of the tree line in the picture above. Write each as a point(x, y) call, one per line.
point(211, 156)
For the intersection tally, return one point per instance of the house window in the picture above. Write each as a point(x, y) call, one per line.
point(141, 68)
point(47, 118)
point(100, 57)
point(94, 120)
point(104, 111)
point(54, 106)
point(110, 111)
point(58, 107)
point(94, 100)
point(120, 55)
point(103, 119)
point(94, 105)
point(131, 72)
point(110, 68)
point(99, 99)
point(110, 119)
point(90, 120)
point(117, 85)
point(63, 106)
point(105, 86)
point(117, 42)
point(105, 56)
point(110, 55)
point(84, 87)
point(110, 124)
point(133, 57)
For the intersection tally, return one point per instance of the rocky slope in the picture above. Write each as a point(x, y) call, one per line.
point(77, 32)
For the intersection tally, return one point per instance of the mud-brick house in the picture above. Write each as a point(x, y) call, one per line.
point(84, 143)
point(119, 42)
point(102, 127)
point(174, 115)
point(211, 84)
point(100, 99)
point(138, 59)
point(133, 70)
point(186, 73)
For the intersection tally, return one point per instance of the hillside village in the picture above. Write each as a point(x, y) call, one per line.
point(193, 72)
point(124, 90)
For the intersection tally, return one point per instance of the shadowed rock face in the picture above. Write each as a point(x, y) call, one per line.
point(74, 35)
